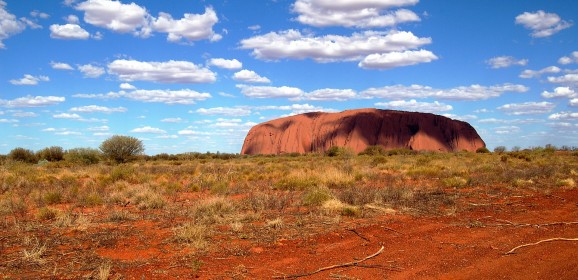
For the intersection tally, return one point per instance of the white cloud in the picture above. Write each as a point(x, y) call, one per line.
point(471, 93)
point(224, 111)
point(570, 116)
point(32, 101)
point(68, 132)
point(249, 77)
point(527, 108)
point(91, 71)
point(507, 129)
point(271, 92)
point(505, 61)
point(329, 94)
point(296, 108)
point(67, 116)
point(574, 102)
point(61, 66)
point(68, 32)
point(292, 44)
point(528, 74)
point(184, 96)
point(396, 59)
point(127, 86)
point(415, 106)
point(192, 27)
point(572, 58)
point(115, 16)
point(9, 121)
point(148, 129)
point(29, 80)
point(161, 72)
point(560, 92)
point(72, 19)
point(38, 14)
point(9, 25)
point(354, 13)
point(20, 114)
point(103, 128)
point(172, 120)
point(98, 109)
point(542, 24)
point(565, 79)
point(230, 64)
point(254, 27)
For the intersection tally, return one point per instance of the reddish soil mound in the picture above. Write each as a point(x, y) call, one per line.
point(357, 129)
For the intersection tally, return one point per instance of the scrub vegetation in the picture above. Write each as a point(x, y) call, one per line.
point(80, 204)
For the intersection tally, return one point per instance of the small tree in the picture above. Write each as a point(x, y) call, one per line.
point(500, 149)
point(53, 153)
point(121, 148)
point(482, 150)
point(24, 155)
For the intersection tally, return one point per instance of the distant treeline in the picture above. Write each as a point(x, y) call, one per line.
point(87, 156)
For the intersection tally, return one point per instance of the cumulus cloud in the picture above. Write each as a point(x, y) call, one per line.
point(505, 61)
point(572, 58)
point(230, 64)
point(172, 120)
point(574, 102)
point(564, 116)
point(527, 108)
point(29, 80)
point(192, 27)
point(296, 108)
point(292, 44)
point(471, 93)
point(61, 66)
point(416, 106)
point(564, 79)
point(68, 31)
point(271, 92)
point(224, 111)
point(91, 71)
point(249, 76)
point(148, 129)
point(542, 24)
point(329, 94)
point(354, 13)
point(528, 74)
point(183, 96)
point(103, 128)
point(161, 72)
point(98, 109)
point(127, 86)
point(135, 19)
point(9, 25)
point(560, 92)
point(396, 59)
point(67, 116)
point(32, 101)
point(115, 16)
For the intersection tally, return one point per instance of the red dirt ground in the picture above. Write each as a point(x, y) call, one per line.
point(468, 245)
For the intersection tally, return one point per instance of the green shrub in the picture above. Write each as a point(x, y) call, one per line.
point(375, 150)
point(316, 196)
point(22, 155)
point(53, 153)
point(482, 150)
point(337, 151)
point(82, 156)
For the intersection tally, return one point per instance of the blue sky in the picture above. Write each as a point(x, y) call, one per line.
point(196, 75)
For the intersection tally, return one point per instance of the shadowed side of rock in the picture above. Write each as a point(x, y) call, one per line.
point(357, 129)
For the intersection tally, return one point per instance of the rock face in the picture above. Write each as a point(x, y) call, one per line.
point(357, 129)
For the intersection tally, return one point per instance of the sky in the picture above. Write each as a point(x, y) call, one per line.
point(195, 76)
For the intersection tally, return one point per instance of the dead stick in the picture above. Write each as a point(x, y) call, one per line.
point(355, 263)
point(541, 241)
point(390, 229)
point(358, 234)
